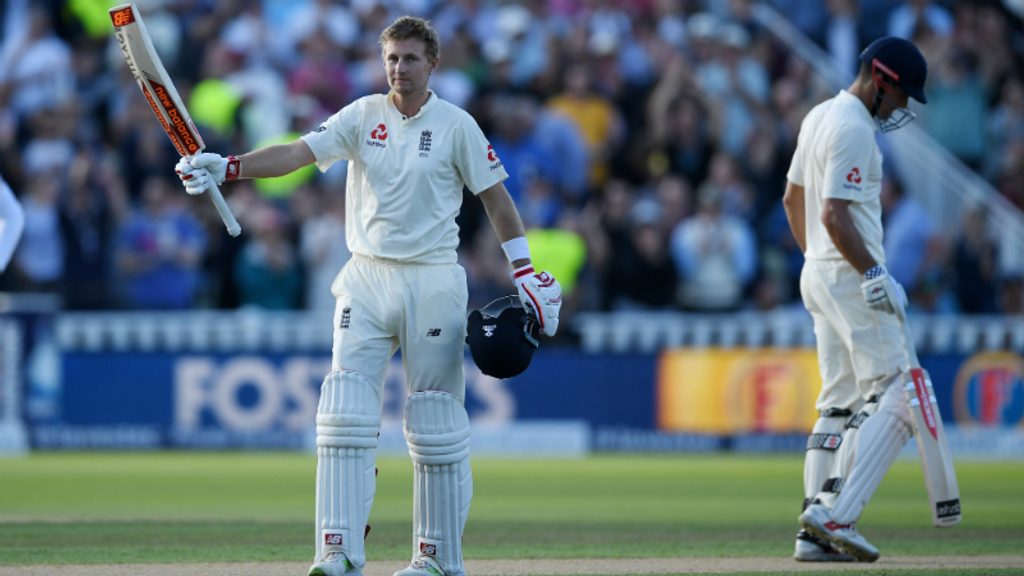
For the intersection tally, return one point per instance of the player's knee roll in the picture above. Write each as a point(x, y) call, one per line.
point(349, 412)
point(436, 428)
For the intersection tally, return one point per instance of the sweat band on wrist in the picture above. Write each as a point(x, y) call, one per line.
point(233, 170)
point(516, 249)
point(875, 272)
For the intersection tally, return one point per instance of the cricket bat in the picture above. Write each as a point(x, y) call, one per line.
point(156, 85)
point(936, 457)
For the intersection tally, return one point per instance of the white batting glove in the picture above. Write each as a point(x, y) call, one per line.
point(882, 292)
point(200, 171)
point(541, 294)
point(195, 181)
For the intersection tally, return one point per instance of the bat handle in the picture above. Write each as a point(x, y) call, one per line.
point(234, 228)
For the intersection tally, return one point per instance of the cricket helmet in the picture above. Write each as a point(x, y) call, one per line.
point(502, 337)
point(898, 62)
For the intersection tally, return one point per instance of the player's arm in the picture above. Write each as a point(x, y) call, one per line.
point(505, 220)
point(275, 160)
point(12, 223)
point(538, 291)
point(266, 162)
point(838, 222)
point(793, 203)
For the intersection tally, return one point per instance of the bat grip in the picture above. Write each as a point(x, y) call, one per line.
point(234, 228)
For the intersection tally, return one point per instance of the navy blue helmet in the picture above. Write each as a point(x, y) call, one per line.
point(502, 337)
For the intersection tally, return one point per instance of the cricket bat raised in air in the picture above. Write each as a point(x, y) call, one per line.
point(156, 85)
point(936, 457)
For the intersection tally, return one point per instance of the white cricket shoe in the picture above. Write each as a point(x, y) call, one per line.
point(422, 566)
point(810, 548)
point(818, 521)
point(334, 564)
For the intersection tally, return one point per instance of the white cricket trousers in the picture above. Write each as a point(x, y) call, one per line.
point(859, 349)
point(383, 305)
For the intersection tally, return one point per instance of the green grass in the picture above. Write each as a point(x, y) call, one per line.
point(225, 507)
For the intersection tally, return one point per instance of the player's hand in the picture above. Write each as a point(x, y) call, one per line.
point(541, 294)
point(882, 292)
point(195, 180)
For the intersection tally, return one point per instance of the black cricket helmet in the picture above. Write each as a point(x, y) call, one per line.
point(502, 337)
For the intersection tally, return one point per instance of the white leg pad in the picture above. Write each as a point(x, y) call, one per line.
point(822, 445)
point(846, 453)
point(879, 442)
point(437, 432)
point(347, 426)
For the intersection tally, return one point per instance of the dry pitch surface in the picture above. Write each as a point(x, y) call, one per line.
point(535, 567)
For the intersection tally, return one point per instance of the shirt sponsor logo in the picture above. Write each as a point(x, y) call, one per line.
point(378, 135)
point(492, 157)
point(346, 318)
point(853, 179)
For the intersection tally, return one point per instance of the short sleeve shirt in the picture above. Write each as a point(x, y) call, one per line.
point(405, 175)
point(837, 156)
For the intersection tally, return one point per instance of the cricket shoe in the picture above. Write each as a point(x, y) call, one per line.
point(334, 564)
point(422, 566)
point(817, 520)
point(810, 548)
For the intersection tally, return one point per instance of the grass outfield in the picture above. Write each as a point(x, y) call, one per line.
point(258, 507)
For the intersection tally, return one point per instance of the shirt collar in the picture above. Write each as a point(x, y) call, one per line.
point(431, 97)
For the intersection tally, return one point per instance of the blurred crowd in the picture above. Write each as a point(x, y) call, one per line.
point(647, 143)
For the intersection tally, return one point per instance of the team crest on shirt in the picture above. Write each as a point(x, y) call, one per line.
point(426, 138)
point(378, 135)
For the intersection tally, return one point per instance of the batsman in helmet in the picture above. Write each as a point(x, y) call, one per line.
point(832, 202)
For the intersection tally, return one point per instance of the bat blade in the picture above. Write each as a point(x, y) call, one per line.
point(161, 95)
point(936, 456)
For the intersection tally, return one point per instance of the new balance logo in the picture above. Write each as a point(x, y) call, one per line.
point(333, 539)
point(428, 549)
point(433, 332)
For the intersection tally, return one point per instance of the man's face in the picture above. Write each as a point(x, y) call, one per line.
point(407, 66)
point(893, 98)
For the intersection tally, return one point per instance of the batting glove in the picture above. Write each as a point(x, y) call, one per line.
point(195, 181)
point(882, 292)
point(198, 172)
point(541, 294)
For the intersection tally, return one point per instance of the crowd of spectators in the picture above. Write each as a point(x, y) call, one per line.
point(646, 140)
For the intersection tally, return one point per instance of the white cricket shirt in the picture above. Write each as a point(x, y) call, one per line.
point(405, 175)
point(837, 156)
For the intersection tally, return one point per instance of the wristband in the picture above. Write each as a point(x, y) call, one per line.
point(875, 272)
point(516, 249)
point(234, 169)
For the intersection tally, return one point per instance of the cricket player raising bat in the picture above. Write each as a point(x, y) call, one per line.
point(410, 154)
point(834, 211)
